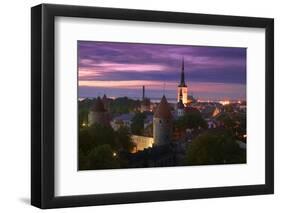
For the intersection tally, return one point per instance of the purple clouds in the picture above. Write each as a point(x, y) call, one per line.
point(105, 65)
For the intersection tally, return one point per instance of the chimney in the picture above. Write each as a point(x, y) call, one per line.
point(143, 92)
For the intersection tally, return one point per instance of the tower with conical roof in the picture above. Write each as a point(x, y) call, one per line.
point(162, 123)
point(182, 87)
point(105, 102)
point(98, 114)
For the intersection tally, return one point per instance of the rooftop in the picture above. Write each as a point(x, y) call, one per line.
point(163, 110)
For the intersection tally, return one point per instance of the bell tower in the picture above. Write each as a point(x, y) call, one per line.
point(182, 87)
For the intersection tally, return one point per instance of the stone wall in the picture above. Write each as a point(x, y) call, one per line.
point(162, 131)
point(142, 142)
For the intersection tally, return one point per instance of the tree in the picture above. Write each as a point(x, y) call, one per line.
point(227, 120)
point(123, 105)
point(99, 138)
point(103, 157)
point(86, 142)
point(214, 147)
point(137, 126)
point(84, 107)
point(89, 139)
point(190, 120)
point(123, 139)
point(83, 162)
point(101, 134)
point(148, 131)
point(83, 117)
point(236, 122)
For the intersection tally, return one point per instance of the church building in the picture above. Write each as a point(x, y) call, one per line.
point(182, 88)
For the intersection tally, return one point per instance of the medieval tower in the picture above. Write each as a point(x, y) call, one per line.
point(105, 102)
point(98, 114)
point(162, 123)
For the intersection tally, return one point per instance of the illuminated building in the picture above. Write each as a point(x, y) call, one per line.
point(182, 88)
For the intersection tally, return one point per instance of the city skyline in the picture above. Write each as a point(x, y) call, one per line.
point(121, 69)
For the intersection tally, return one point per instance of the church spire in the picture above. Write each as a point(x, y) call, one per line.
point(182, 82)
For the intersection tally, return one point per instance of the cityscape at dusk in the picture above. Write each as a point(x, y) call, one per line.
point(155, 105)
point(120, 69)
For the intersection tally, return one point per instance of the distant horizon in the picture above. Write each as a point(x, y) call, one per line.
point(121, 69)
point(152, 99)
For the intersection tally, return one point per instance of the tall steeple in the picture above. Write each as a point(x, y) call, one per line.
point(182, 82)
point(182, 87)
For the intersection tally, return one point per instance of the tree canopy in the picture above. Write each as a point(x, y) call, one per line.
point(214, 147)
point(103, 157)
point(236, 122)
point(97, 145)
point(123, 105)
point(123, 139)
point(190, 120)
point(116, 106)
point(137, 126)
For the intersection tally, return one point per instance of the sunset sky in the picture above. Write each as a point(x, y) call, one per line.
point(120, 69)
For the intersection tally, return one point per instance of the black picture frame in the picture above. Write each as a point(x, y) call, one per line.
point(43, 117)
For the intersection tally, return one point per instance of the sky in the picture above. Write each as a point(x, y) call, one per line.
point(121, 69)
